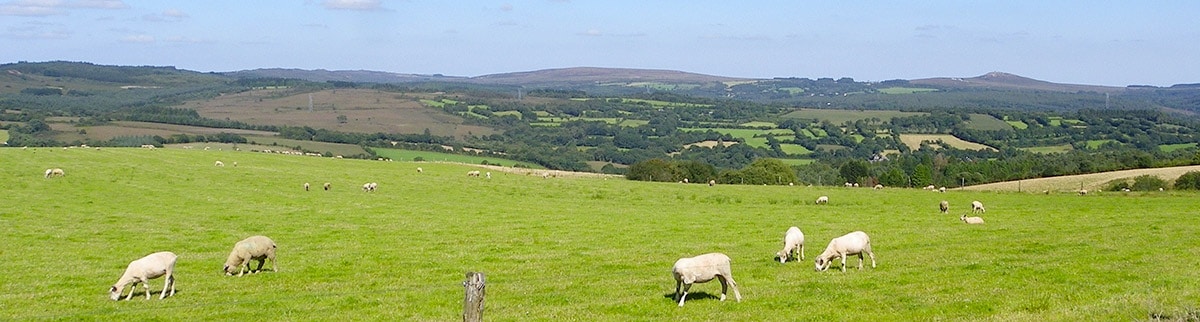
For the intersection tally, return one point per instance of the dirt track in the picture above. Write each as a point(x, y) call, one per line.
point(1093, 181)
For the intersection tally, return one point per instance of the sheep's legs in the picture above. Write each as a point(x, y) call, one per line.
point(724, 286)
point(801, 251)
point(844, 261)
point(260, 265)
point(146, 287)
point(682, 296)
point(170, 282)
point(132, 287)
point(727, 281)
point(872, 254)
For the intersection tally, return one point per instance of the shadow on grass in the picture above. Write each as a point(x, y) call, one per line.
point(692, 296)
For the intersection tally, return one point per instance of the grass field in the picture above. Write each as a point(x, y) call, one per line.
point(1049, 149)
point(4, 136)
point(905, 90)
point(1094, 144)
point(753, 137)
point(1091, 181)
point(409, 155)
point(563, 248)
point(987, 122)
point(319, 147)
point(914, 141)
point(1174, 147)
point(842, 116)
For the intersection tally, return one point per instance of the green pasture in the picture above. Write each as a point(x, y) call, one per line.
point(836, 116)
point(760, 124)
point(905, 90)
point(986, 122)
point(563, 248)
point(429, 156)
point(4, 136)
point(319, 147)
point(797, 161)
point(1020, 125)
point(1164, 147)
point(1094, 144)
point(753, 137)
point(1049, 149)
point(794, 149)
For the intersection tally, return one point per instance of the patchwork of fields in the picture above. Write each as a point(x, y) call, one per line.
point(562, 248)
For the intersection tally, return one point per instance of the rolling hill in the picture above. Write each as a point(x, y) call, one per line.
point(1000, 80)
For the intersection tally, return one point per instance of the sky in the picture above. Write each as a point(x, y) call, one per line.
point(1113, 43)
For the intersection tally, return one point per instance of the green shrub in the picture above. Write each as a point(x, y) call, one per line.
point(1189, 181)
point(1148, 183)
point(1117, 185)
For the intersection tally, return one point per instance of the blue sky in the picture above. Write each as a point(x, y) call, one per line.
point(1100, 43)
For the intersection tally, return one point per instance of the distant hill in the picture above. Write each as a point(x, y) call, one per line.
point(594, 75)
point(354, 76)
point(999, 80)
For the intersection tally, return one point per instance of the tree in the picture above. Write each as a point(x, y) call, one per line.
point(854, 170)
point(922, 175)
point(652, 170)
point(1188, 181)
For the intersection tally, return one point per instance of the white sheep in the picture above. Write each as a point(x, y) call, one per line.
point(878, 186)
point(419, 170)
point(306, 186)
point(822, 200)
point(848, 185)
point(326, 186)
point(712, 183)
point(219, 163)
point(855, 243)
point(55, 172)
point(942, 189)
point(489, 175)
point(370, 186)
point(971, 220)
point(702, 269)
point(792, 240)
point(473, 173)
point(1083, 192)
point(856, 185)
point(142, 271)
point(977, 206)
point(259, 248)
point(944, 206)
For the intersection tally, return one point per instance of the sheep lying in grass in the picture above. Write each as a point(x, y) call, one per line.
point(219, 163)
point(701, 269)
point(792, 240)
point(473, 173)
point(326, 186)
point(855, 243)
point(977, 206)
point(822, 200)
point(878, 186)
point(142, 271)
point(944, 206)
point(259, 248)
point(971, 220)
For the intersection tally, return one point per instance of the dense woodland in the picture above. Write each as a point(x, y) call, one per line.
point(1137, 128)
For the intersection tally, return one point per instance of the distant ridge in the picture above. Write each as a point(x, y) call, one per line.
point(1000, 80)
point(321, 75)
point(577, 75)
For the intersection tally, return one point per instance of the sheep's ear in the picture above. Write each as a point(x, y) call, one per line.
point(112, 289)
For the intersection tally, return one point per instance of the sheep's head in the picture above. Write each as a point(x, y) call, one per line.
point(782, 256)
point(822, 264)
point(114, 292)
point(227, 270)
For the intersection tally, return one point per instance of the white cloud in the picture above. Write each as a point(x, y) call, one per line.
point(360, 5)
point(42, 8)
point(36, 32)
point(169, 15)
point(144, 39)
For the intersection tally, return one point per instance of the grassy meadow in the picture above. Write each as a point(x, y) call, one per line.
point(562, 248)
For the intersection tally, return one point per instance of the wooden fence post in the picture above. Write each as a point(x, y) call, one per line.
point(473, 299)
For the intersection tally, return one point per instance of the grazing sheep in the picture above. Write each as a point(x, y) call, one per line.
point(474, 173)
point(792, 240)
point(701, 269)
point(848, 185)
point(977, 206)
point(489, 175)
point(685, 180)
point(56, 172)
point(942, 189)
point(971, 220)
point(259, 248)
point(878, 186)
point(944, 206)
point(822, 200)
point(856, 185)
point(712, 183)
point(326, 186)
point(235, 164)
point(219, 164)
point(370, 186)
point(306, 186)
point(419, 170)
point(142, 271)
point(1083, 192)
point(855, 243)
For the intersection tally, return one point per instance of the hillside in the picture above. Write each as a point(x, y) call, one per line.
point(1000, 80)
point(354, 76)
point(1090, 182)
point(595, 75)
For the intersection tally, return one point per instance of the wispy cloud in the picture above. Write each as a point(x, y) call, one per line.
point(506, 7)
point(42, 8)
point(359, 5)
point(600, 33)
point(141, 39)
point(36, 32)
point(169, 15)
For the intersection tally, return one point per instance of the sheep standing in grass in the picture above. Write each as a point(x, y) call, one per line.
point(701, 269)
point(56, 172)
point(370, 186)
point(306, 186)
point(1083, 192)
point(419, 170)
point(259, 248)
point(942, 189)
point(473, 173)
point(971, 220)
point(326, 186)
point(142, 271)
point(712, 183)
point(822, 200)
point(977, 206)
point(944, 206)
point(792, 240)
point(855, 243)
